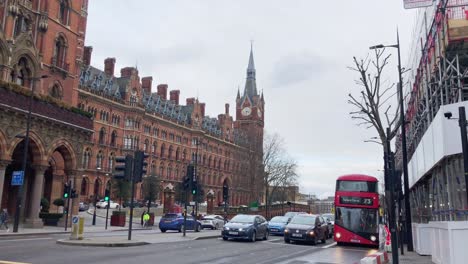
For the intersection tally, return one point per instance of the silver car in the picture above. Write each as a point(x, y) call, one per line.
point(212, 221)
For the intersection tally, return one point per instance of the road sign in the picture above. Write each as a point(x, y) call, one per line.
point(75, 219)
point(17, 178)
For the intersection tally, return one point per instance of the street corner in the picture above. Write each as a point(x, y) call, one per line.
point(102, 242)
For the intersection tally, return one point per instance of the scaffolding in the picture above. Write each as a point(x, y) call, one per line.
point(438, 76)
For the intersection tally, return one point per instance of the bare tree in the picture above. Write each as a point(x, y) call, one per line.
point(279, 168)
point(372, 102)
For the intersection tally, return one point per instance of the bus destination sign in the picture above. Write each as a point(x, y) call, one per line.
point(355, 200)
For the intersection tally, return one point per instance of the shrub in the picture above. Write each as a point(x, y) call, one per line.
point(45, 205)
point(59, 202)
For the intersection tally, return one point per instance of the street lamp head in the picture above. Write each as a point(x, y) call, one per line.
point(380, 46)
point(448, 115)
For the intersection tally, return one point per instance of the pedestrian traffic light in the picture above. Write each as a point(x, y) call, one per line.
point(140, 165)
point(225, 192)
point(107, 195)
point(66, 191)
point(186, 183)
point(124, 167)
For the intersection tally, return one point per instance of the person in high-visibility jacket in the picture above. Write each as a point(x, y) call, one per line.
point(146, 218)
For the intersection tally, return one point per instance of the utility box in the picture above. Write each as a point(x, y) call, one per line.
point(77, 228)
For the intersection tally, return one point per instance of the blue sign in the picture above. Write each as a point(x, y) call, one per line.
point(17, 178)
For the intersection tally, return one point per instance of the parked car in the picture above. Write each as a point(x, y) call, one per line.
point(212, 221)
point(330, 219)
point(250, 227)
point(277, 224)
point(136, 204)
point(103, 204)
point(83, 207)
point(292, 214)
point(306, 228)
point(175, 221)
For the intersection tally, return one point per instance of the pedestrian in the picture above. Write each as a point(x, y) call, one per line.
point(4, 219)
point(146, 218)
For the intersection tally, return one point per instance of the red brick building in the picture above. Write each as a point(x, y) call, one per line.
point(128, 116)
point(41, 48)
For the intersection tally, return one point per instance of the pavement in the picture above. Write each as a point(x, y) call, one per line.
point(412, 258)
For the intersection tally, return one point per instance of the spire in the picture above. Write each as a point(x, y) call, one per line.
point(238, 93)
point(250, 84)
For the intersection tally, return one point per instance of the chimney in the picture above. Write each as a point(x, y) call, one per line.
point(88, 50)
point(174, 96)
point(109, 65)
point(146, 83)
point(127, 72)
point(162, 91)
point(190, 101)
point(202, 109)
point(226, 107)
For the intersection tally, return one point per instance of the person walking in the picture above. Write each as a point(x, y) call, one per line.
point(146, 218)
point(4, 219)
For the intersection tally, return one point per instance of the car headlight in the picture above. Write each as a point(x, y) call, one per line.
point(241, 229)
point(338, 235)
point(286, 230)
point(373, 238)
point(311, 233)
point(226, 228)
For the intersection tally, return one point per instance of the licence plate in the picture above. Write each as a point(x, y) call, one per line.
point(206, 222)
point(274, 229)
point(233, 233)
point(167, 221)
point(297, 235)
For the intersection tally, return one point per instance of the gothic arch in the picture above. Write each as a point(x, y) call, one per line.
point(30, 55)
point(36, 146)
point(66, 150)
point(56, 90)
point(3, 146)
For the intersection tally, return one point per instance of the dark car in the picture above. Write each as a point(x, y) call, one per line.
point(250, 227)
point(306, 228)
point(175, 221)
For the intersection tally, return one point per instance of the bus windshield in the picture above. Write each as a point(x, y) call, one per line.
point(356, 186)
point(357, 220)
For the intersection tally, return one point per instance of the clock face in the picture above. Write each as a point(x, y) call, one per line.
point(259, 113)
point(246, 111)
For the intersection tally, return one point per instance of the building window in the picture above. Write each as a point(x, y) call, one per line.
point(113, 138)
point(60, 53)
point(145, 145)
point(163, 148)
point(99, 159)
point(154, 147)
point(177, 154)
point(169, 153)
point(111, 162)
point(86, 158)
point(64, 12)
point(21, 25)
point(56, 91)
point(22, 73)
point(84, 187)
point(102, 136)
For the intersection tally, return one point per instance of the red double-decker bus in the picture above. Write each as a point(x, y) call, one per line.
point(357, 210)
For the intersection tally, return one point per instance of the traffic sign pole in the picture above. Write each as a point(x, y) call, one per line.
point(68, 206)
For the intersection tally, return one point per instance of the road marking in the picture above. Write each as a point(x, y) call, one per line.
point(25, 239)
point(12, 262)
point(331, 245)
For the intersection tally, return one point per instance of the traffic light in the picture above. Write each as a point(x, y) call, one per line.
point(140, 165)
point(225, 192)
point(66, 191)
point(194, 188)
point(186, 183)
point(123, 168)
point(107, 195)
point(73, 194)
point(190, 172)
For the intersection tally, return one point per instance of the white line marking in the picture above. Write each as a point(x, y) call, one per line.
point(331, 245)
point(25, 239)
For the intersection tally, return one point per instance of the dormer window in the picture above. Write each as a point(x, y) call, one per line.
point(64, 12)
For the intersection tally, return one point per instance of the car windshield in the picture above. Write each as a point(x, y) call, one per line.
point(358, 220)
point(303, 220)
point(243, 219)
point(279, 219)
point(208, 218)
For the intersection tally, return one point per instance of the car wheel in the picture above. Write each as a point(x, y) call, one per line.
point(163, 230)
point(225, 238)
point(265, 237)
point(314, 242)
point(253, 238)
point(287, 241)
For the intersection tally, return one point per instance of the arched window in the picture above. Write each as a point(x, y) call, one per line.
point(64, 12)
point(102, 136)
point(209, 161)
point(154, 147)
point(56, 91)
point(145, 145)
point(99, 159)
point(110, 162)
point(168, 175)
point(177, 154)
point(163, 149)
point(113, 138)
point(84, 187)
point(21, 24)
point(86, 158)
point(176, 174)
point(169, 153)
point(60, 53)
point(204, 159)
point(161, 171)
point(22, 75)
point(153, 168)
point(184, 155)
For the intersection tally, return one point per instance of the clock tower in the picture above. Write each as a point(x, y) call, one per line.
point(250, 114)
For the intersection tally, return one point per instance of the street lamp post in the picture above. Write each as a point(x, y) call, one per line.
point(25, 152)
point(408, 228)
point(96, 191)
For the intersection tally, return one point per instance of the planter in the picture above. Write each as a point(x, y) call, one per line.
point(448, 242)
point(50, 219)
point(422, 238)
point(117, 218)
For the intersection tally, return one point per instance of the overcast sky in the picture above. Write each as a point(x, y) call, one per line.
point(301, 50)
